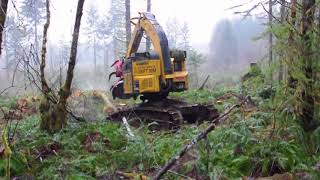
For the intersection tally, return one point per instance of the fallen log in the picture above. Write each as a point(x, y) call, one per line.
point(194, 141)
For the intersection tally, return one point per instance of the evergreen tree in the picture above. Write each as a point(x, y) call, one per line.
point(34, 13)
point(223, 45)
point(15, 39)
point(104, 33)
point(92, 32)
point(173, 32)
point(195, 60)
point(128, 22)
point(148, 42)
point(185, 37)
point(118, 26)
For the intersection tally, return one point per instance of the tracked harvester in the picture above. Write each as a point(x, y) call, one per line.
point(153, 75)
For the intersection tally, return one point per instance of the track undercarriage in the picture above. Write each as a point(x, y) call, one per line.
point(165, 114)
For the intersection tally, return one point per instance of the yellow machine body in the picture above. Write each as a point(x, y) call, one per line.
point(146, 73)
point(153, 73)
point(145, 77)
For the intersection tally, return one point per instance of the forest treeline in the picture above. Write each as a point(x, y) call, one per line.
point(103, 39)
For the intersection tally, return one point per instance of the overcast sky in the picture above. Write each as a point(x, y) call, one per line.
point(201, 15)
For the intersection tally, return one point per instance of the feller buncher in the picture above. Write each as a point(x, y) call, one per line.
point(152, 76)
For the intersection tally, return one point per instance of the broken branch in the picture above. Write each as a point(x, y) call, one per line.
point(194, 141)
point(126, 124)
point(204, 83)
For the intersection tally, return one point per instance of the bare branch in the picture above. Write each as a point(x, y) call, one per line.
point(12, 80)
point(195, 140)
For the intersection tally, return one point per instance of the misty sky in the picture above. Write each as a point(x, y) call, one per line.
point(201, 15)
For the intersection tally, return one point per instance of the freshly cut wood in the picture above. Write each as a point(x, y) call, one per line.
point(126, 124)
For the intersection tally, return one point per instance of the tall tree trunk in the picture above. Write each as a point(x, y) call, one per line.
point(57, 113)
point(44, 84)
point(5, 44)
point(65, 91)
point(270, 34)
point(319, 18)
point(115, 47)
point(282, 14)
point(308, 101)
point(148, 5)
point(106, 62)
point(73, 54)
point(148, 43)
point(94, 53)
point(293, 17)
point(36, 43)
point(3, 15)
point(51, 51)
point(105, 67)
point(45, 104)
point(106, 57)
point(196, 76)
point(128, 23)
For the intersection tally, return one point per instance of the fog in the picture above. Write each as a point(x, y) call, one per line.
point(224, 40)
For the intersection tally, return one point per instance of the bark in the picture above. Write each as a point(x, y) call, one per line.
point(282, 13)
point(128, 23)
point(45, 104)
point(95, 53)
point(307, 95)
point(293, 17)
point(148, 43)
point(107, 59)
point(5, 44)
point(148, 5)
point(36, 43)
point(73, 54)
point(3, 15)
point(270, 34)
point(319, 19)
point(44, 84)
point(65, 91)
point(196, 76)
point(194, 141)
point(104, 57)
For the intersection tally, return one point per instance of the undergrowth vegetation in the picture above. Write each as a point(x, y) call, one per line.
point(89, 150)
point(259, 140)
point(262, 142)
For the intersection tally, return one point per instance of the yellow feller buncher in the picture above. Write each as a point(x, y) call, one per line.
point(152, 76)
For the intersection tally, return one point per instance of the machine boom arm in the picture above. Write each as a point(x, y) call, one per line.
point(148, 24)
